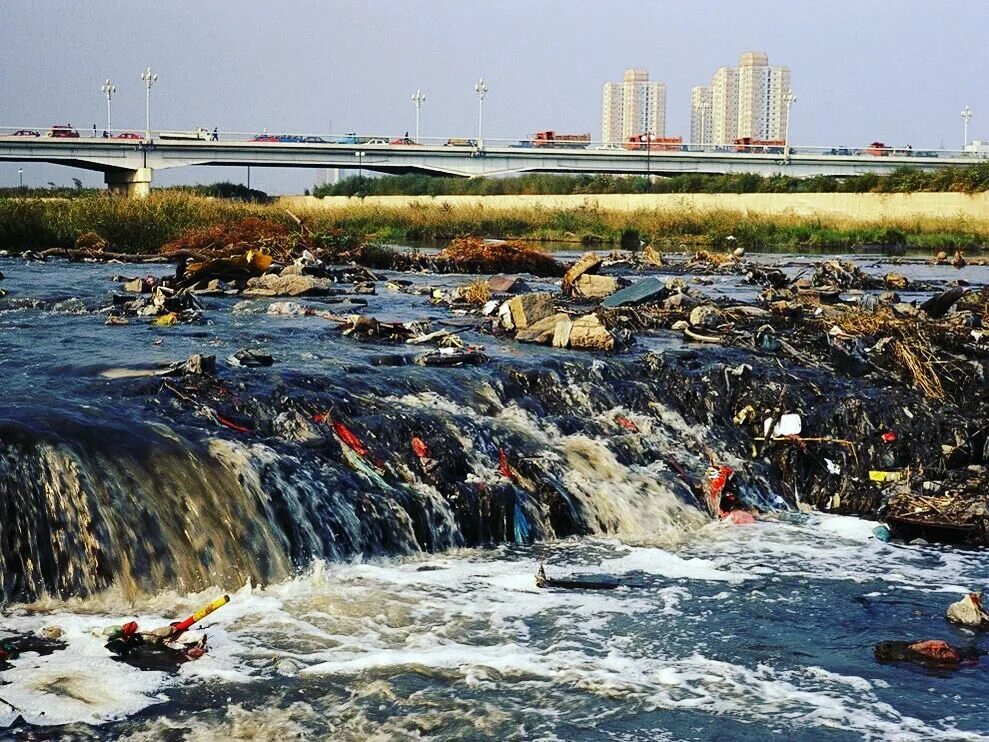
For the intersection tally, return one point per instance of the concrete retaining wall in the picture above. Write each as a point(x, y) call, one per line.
point(854, 206)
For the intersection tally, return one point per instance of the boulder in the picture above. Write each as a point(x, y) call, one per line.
point(969, 612)
point(543, 331)
point(561, 333)
point(588, 333)
point(526, 309)
point(588, 263)
point(134, 286)
point(705, 316)
point(896, 281)
point(589, 286)
point(290, 285)
point(502, 284)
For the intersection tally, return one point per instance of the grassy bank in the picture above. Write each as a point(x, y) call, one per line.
point(143, 226)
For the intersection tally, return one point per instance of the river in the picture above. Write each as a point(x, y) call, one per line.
point(410, 611)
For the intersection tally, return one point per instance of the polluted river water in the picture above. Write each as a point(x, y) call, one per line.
point(364, 609)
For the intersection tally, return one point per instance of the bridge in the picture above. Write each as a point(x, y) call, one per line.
point(128, 164)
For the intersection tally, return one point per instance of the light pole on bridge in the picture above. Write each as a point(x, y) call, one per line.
point(418, 98)
point(108, 90)
point(359, 154)
point(20, 177)
point(149, 78)
point(789, 99)
point(481, 89)
point(966, 117)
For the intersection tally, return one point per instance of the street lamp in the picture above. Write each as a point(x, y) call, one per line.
point(789, 99)
point(20, 177)
point(108, 90)
point(149, 79)
point(360, 171)
point(418, 98)
point(966, 117)
point(481, 89)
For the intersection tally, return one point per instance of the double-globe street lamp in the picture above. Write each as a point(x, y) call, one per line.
point(149, 78)
point(359, 154)
point(418, 97)
point(108, 90)
point(966, 117)
point(481, 89)
point(789, 99)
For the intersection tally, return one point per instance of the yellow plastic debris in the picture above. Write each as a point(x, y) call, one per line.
point(166, 320)
point(885, 476)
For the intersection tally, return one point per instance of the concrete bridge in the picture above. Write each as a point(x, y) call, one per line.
point(129, 164)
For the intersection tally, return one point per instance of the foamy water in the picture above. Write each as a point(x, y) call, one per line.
point(738, 632)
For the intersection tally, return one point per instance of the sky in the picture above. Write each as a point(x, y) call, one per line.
point(897, 71)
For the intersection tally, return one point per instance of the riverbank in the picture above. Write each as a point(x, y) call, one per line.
point(795, 222)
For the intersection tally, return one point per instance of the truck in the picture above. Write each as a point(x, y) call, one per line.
point(654, 143)
point(199, 135)
point(768, 146)
point(877, 149)
point(460, 142)
point(553, 139)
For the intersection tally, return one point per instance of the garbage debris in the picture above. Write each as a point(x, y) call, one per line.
point(648, 289)
point(250, 358)
point(969, 612)
point(929, 652)
point(163, 648)
point(542, 581)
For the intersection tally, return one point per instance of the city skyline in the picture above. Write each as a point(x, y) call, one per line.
point(353, 66)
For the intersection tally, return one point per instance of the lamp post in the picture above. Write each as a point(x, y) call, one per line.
point(966, 117)
point(149, 78)
point(789, 99)
point(359, 154)
point(20, 177)
point(418, 98)
point(108, 90)
point(481, 89)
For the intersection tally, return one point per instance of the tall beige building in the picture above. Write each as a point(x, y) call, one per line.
point(747, 101)
point(632, 107)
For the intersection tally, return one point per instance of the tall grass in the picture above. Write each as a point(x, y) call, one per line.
point(143, 226)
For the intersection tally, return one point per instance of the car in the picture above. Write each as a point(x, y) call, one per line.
point(289, 138)
point(376, 140)
point(63, 131)
point(127, 135)
point(404, 141)
point(26, 133)
point(265, 138)
point(314, 140)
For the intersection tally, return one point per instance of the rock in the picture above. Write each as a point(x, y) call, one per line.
point(588, 263)
point(588, 333)
point(543, 331)
point(738, 252)
point(290, 285)
point(561, 334)
point(675, 283)
point(502, 284)
point(595, 287)
point(647, 289)
point(705, 315)
point(680, 325)
point(896, 281)
point(652, 256)
point(292, 270)
point(521, 311)
point(679, 301)
point(969, 612)
point(135, 286)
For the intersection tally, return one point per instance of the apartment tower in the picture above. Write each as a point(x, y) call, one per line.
point(745, 101)
point(632, 107)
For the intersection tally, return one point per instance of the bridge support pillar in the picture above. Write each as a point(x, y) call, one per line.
point(131, 183)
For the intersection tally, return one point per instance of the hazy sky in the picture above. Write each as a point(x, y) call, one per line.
point(898, 71)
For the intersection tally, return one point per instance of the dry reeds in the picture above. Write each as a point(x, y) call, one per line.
point(475, 255)
point(221, 241)
point(476, 292)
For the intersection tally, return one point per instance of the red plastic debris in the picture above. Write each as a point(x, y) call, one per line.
point(419, 447)
point(503, 466)
point(627, 424)
point(345, 435)
point(889, 436)
point(129, 628)
point(937, 651)
point(232, 425)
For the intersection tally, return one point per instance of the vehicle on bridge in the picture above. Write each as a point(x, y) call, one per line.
point(26, 133)
point(373, 140)
point(753, 145)
point(460, 142)
point(405, 142)
point(551, 138)
point(350, 138)
point(199, 135)
point(127, 135)
point(62, 131)
point(655, 143)
point(878, 149)
point(265, 138)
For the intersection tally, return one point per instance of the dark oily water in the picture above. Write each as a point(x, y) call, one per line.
point(356, 633)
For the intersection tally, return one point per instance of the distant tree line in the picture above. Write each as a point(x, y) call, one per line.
point(905, 180)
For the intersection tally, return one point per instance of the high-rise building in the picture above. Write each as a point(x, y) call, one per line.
point(747, 101)
point(700, 115)
point(632, 107)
